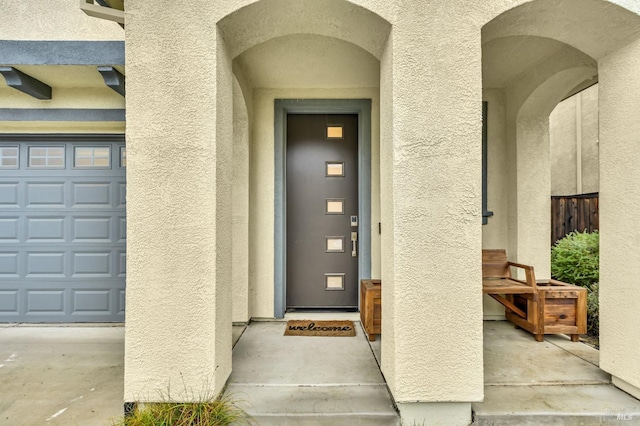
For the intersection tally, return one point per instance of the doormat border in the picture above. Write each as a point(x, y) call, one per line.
point(324, 328)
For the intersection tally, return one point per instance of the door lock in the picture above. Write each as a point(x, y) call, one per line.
point(354, 220)
point(354, 244)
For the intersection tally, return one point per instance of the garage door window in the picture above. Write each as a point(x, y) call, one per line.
point(91, 157)
point(51, 157)
point(9, 157)
point(123, 157)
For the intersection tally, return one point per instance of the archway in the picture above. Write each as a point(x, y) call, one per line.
point(585, 36)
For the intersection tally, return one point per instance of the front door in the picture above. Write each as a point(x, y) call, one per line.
point(322, 211)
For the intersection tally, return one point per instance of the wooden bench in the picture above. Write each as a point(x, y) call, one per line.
point(498, 283)
point(561, 307)
point(543, 307)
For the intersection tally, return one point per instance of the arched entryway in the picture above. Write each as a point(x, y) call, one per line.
point(534, 55)
point(427, 57)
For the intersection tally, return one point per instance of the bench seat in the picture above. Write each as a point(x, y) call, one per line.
point(498, 283)
point(505, 286)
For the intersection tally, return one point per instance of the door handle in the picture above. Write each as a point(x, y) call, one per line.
point(354, 245)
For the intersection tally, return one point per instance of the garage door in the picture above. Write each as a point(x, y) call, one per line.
point(62, 229)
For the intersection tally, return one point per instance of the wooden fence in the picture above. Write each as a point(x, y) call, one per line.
point(573, 213)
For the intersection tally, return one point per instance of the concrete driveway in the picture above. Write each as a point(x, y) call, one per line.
point(56, 375)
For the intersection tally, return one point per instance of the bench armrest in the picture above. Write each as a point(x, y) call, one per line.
point(529, 274)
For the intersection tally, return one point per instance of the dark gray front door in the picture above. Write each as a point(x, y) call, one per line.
point(322, 211)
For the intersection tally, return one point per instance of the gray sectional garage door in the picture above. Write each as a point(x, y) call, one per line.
point(62, 229)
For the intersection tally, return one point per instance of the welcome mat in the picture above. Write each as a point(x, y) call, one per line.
point(320, 328)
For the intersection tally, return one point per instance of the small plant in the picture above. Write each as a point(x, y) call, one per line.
point(220, 411)
point(575, 259)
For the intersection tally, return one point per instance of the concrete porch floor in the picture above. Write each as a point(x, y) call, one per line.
point(555, 382)
point(300, 380)
point(55, 375)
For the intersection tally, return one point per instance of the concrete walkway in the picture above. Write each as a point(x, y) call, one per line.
point(299, 380)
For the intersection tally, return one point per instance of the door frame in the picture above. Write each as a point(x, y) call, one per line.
point(283, 107)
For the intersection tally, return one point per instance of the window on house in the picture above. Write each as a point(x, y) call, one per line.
point(334, 131)
point(46, 157)
point(9, 157)
point(91, 157)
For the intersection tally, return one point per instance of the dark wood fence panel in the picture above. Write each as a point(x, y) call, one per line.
point(573, 213)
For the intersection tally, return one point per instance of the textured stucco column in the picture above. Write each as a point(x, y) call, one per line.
point(179, 136)
point(619, 217)
point(240, 207)
point(533, 186)
point(431, 212)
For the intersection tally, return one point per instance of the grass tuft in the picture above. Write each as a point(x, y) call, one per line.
point(220, 411)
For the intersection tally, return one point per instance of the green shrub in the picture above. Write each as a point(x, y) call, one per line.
point(214, 412)
point(593, 317)
point(575, 259)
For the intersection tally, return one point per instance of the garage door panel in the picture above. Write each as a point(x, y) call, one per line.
point(9, 194)
point(121, 301)
point(45, 194)
point(10, 264)
point(95, 301)
point(47, 229)
point(122, 264)
point(9, 229)
point(8, 302)
point(91, 194)
point(91, 229)
point(62, 238)
point(91, 264)
point(41, 301)
point(122, 229)
point(49, 264)
point(122, 195)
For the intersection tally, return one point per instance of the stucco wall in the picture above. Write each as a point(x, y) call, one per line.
point(388, 335)
point(261, 221)
point(619, 204)
point(179, 136)
point(590, 144)
point(436, 164)
point(53, 20)
point(430, 186)
point(240, 207)
point(567, 140)
point(495, 232)
point(562, 129)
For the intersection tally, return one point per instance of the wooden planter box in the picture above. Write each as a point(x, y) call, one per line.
point(560, 308)
point(370, 307)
